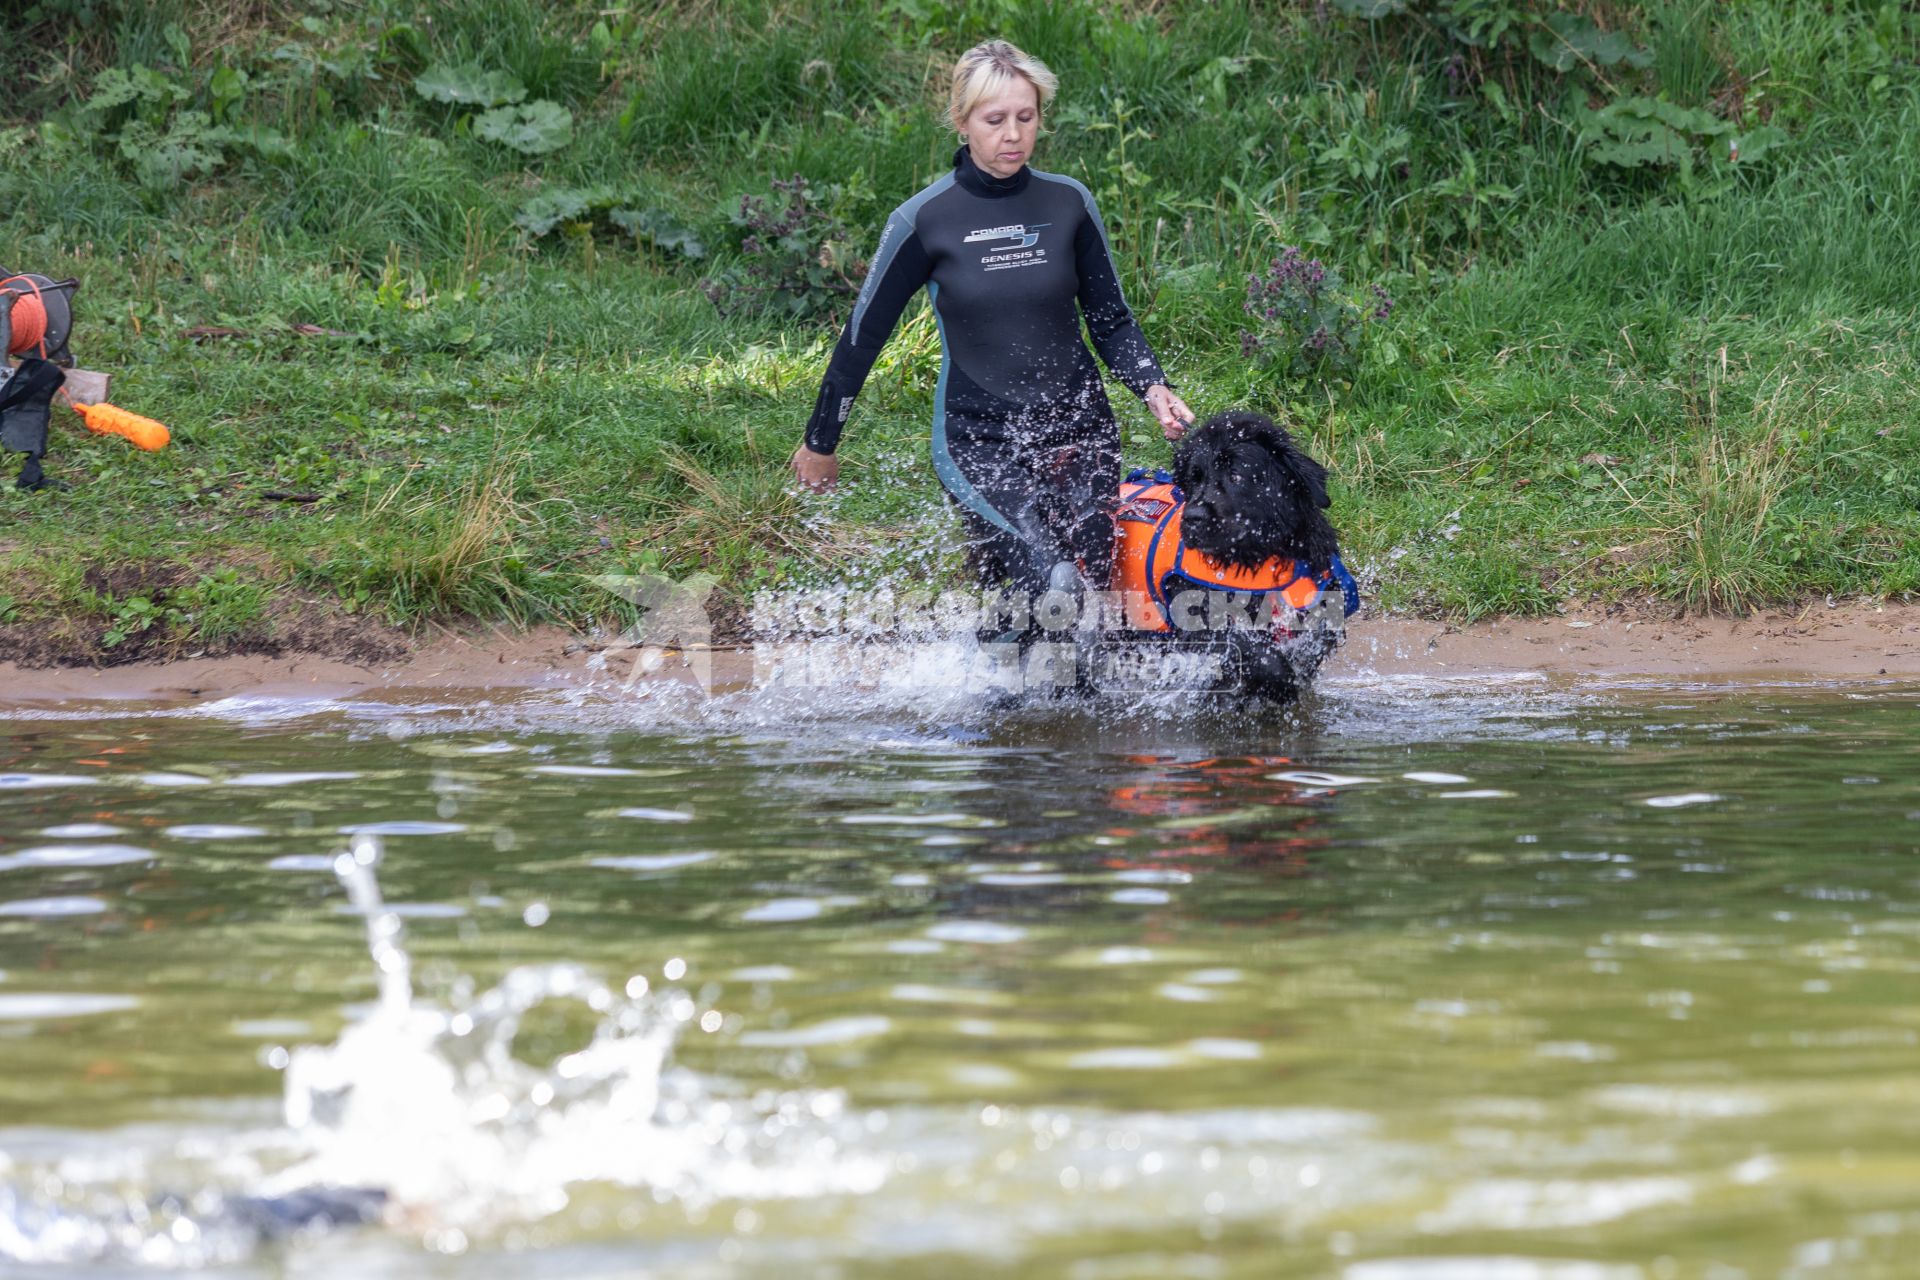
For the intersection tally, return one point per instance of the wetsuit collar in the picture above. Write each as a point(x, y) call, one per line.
point(981, 183)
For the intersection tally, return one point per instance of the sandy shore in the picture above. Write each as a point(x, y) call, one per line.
point(1846, 641)
point(1850, 641)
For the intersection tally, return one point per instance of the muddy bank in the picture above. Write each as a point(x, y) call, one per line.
point(1847, 641)
point(1851, 641)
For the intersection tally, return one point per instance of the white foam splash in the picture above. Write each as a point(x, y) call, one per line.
point(436, 1117)
point(441, 1111)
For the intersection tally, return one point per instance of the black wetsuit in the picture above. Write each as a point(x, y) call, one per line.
point(1023, 436)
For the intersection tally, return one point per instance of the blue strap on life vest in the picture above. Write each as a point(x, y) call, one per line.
point(1180, 556)
point(1158, 588)
point(1349, 589)
point(1162, 596)
point(1336, 576)
point(1147, 479)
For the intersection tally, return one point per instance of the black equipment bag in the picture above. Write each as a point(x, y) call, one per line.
point(26, 406)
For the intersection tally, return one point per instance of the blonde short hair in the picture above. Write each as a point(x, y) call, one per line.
point(985, 69)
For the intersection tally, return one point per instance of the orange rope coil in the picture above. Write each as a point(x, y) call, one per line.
point(29, 317)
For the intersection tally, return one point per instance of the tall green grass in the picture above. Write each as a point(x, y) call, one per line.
point(1598, 381)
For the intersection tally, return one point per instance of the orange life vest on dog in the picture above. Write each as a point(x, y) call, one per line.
point(1153, 561)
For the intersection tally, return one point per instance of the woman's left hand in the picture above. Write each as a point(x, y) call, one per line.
point(1170, 409)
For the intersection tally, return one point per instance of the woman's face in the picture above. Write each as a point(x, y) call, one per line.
point(1003, 127)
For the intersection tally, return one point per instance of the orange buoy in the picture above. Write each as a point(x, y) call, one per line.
point(111, 420)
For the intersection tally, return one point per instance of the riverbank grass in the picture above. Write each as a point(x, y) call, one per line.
point(424, 360)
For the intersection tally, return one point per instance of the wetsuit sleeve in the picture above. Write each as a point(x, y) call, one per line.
point(1116, 335)
point(899, 268)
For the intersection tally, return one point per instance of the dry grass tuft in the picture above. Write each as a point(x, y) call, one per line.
point(745, 517)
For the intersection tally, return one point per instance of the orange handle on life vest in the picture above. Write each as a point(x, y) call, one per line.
point(111, 420)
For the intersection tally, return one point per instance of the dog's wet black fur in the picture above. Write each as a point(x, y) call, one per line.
point(312, 1209)
point(1252, 494)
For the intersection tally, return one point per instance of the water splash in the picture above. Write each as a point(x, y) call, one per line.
point(452, 1119)
point(454, 1124)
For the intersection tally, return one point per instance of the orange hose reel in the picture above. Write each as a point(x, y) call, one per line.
point(36, 318)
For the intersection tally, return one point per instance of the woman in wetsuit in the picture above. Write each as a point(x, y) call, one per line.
point(1023, 436)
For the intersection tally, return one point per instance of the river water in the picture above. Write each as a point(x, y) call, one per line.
point(1489, 980)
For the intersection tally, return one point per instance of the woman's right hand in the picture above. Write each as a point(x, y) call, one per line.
point(818, 472)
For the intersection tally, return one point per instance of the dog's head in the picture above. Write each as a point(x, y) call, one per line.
point(1251, 495)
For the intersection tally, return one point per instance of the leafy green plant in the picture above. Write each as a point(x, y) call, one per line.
point(1131, 196)
point(603, 207)
point(141, 112)
point(798, 257)
point(534, 129)
point(227, 90)
point(306, 466)
point(469, 85)
point(1306, 325)
point(554, 207)
point(1649, 133)
point(1561, 40)
point(1464, 200)
point(133, 616)
point(1564, 41)
point(219, 605)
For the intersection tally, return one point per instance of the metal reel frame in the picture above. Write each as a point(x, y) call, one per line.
point(55, 295)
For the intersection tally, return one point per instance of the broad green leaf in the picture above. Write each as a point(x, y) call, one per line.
point(178, 44)
point(1671, 114)
point(1567, 41)
point(1491, 90)
point(190, 146)
point(467, 85)
point(227, 86)
point(111, 88)
point(556, 205)
point(1751, 146)
point(544, 212)
point(1650, 144)
point(1371, 9)
point(534, 129)
point(661, 230)
point(263, 140)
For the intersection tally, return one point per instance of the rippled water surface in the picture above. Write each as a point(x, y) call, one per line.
point(1423, 981)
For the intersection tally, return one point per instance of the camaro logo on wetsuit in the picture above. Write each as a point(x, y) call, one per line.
point(1011, 246)
point(1026, 236)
